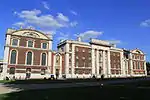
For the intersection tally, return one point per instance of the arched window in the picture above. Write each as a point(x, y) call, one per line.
point(29, 58)
point(13, 57)
point(43, 61)
point(12, 70)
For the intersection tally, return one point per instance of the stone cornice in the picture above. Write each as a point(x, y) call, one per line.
point(28, 48)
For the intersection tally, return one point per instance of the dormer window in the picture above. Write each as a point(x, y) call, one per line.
point(14, 42)
point(30, 43)
point(44, 45)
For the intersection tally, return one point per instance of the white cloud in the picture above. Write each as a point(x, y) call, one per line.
point(114, 41)
point(37, 19)
point(61, 17)
point(73, 12)
point(73, 24)
point(45, 4)
point(48, 32)
point(89, 34)
point(63, 36)
point(19, 24)
point(46, 23)
point(145, 23)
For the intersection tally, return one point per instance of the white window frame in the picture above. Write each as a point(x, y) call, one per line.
point(16, 56)
point(32, 58)
point(77, 64)
point(77, 57)
point(32, 41)
point(17, 39)
point(77, 49)
point(41, 59)
point(42, 45)
point(89, 51)
point(84, 64)
point(90, 58)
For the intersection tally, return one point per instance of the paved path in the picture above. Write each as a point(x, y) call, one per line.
point(4, 89)
point(7, 88)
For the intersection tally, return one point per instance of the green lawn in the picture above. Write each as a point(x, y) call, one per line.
point(5, 81)
point(128, 91)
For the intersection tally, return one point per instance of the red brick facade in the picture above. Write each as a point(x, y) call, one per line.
point(73, 59)
point(83, 57)
point(115, 62)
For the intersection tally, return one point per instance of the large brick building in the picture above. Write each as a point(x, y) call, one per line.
point(28, 53)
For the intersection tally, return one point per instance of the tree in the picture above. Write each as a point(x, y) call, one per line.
point(148, 67)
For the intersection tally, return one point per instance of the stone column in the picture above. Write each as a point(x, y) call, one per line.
point(73, 61)
point(145, 65)
point(6, 57)
point(131, 63)
point(49, 62)
point(54, 64)
point(108, 66)
point(122, 65)
point(104, 66)
point(60, 70)
point(97, 62)
point(67, 60)
point(50, 45)
point(93, 62)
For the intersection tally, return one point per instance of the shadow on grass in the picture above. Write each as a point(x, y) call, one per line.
point(36, 83)
point(82, 93)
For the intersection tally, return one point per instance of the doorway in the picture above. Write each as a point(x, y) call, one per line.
point(57, 73)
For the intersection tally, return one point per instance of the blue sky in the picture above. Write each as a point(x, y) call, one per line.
point(125, 22)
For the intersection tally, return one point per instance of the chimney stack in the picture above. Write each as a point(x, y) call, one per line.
point(113, 45)
point(79, 39)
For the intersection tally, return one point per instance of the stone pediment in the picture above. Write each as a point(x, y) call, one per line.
point(30, 33)
point(137, 51)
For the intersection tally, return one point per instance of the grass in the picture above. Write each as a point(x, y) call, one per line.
point(5, 81)
point(127, 91)
point(43, 81)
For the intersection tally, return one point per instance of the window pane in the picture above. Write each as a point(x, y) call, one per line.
point(29, 58)
point(12, 70)
point(13, 57)
point(1, 69)
point(15, 42)
point(44, 45)
point(44, 59)
point(30, 43)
